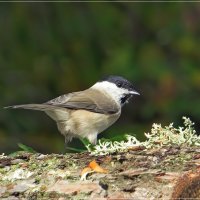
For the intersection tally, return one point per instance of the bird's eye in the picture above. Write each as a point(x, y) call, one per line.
point(119, 84)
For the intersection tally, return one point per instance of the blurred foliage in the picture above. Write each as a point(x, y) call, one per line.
point(23, 149)
point(47, 49)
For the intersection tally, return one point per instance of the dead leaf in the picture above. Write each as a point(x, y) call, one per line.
point(95, 166)
point(92, 167)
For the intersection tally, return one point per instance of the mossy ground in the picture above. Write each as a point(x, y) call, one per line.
point(31, 176)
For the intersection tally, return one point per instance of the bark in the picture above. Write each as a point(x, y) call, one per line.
point(165, 173)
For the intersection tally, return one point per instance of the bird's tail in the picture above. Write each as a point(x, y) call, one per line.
point(40, 107)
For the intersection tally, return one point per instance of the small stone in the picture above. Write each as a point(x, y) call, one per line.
point(2, 190)
point(22, 186)
point(41, 157)
point(16, 161)
point(5, 162)
point(65, 187)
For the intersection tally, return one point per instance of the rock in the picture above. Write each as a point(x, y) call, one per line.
point(22, 186)
point(2, 190)
point(65, 187)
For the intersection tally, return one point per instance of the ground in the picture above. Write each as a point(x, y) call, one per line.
point(166, 172)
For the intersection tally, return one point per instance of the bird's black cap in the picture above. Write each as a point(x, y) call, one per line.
point(119, 82)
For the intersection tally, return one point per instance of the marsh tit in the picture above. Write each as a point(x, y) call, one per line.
point(87, 113)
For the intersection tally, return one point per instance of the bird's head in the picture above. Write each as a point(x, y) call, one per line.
point(120, 89)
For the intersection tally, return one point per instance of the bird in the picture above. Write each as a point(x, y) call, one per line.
point(87, 113)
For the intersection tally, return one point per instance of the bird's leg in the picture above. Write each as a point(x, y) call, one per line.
point(68, 138)
point(92, 138)
point(88, 145)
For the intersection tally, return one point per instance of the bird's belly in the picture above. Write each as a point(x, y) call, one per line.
point(83, 122)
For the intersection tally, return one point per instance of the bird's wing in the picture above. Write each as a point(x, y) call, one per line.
point(91, 100)
point(40, 107)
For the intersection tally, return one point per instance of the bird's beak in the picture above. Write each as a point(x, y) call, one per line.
point(133, 92)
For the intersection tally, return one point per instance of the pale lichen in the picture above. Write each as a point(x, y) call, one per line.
point(158, 137)
point(109, 147)
point(170, 135)
point(3, 156)
point(18, 174)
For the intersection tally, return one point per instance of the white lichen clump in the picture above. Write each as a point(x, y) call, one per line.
point(18, 174)
point(108, 147)
point(159, 136)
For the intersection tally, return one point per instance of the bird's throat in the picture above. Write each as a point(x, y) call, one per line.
point(125, 99)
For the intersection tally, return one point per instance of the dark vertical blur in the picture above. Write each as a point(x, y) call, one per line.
point(47, 49)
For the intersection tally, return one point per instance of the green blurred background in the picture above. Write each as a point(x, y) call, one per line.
point(48, 49)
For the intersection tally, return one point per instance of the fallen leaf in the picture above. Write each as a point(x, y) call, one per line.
point(95, 166)
point(92, 167)
point(85, 172)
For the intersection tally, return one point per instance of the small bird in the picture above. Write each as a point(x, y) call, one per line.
point(87, 113)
